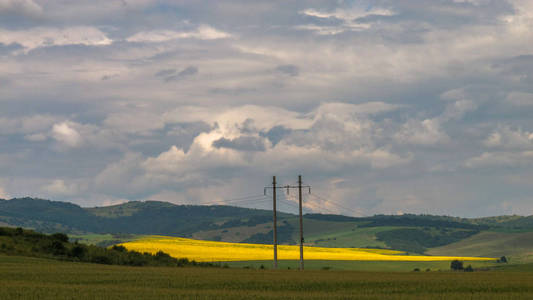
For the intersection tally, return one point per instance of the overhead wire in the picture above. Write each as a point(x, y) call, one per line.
point(285, 198)
point(293, 204)
point(235, 200)
point(335, 203)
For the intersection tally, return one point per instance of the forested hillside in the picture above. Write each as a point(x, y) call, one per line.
point(413, 233)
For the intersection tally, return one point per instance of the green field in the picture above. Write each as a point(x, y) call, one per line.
point(102, 239)
point(33, 278)
point(367, 266)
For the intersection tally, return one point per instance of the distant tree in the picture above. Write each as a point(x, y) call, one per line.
point(60, 237)
point(19, 231)
point(101, 259)
point(502, 259)
point(78, 251)
point(119, 248)
point(456, 265)
point(469, 269)
point(162, 255)
point(416, 270)
point(56, 248)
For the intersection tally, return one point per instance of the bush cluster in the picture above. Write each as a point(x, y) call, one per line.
point(457, 265)
point(19, 241)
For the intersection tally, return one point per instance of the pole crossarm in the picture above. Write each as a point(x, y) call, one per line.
point(287, 187)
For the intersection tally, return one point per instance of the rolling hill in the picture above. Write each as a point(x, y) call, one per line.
point(518, 245)
point(434, 235)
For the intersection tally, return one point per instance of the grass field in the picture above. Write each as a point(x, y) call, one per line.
point(32, 278)
point(367, 266)
point(102, 239)
point(221, 251)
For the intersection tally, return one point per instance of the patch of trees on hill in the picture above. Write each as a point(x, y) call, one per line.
point(21, 242)
point(416, 221)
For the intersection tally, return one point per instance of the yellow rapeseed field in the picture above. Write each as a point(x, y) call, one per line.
point(208, 251)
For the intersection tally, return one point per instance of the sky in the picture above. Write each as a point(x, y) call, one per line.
point(384, 106)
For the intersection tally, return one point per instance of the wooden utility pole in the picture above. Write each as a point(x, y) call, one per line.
point(275, 225)
point(275, 229)
point(301, 223)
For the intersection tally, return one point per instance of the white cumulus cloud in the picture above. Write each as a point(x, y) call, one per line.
point(203, 32)
point(65, 134)
point(59, 187)
point(50, 36)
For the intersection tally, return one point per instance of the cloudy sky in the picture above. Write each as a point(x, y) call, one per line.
point(383, 106)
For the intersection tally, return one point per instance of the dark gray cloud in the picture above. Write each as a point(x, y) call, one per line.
point(232, 91)
point(519, 66)
point(243, 143)
point(290, 70)
point(8, 49)
point(165, 72)
point(174, 75)
point(276, 134)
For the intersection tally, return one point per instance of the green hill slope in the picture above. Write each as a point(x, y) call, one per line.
point(149, 217)
point(517, 246)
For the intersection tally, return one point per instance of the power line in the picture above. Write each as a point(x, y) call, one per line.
point(288, 202)
point(335, 203)
point(230, 201)
point(323, 207)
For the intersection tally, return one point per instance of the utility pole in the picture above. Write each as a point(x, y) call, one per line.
point(301, 222)
point(274, 220)
point(275, 225)
point(288, 187)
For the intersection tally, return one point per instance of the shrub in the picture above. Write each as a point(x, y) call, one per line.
point(119, 248)
point(101, 259)
point(469, 269)
point(456, 265)
point(55, 248)
point(162, 255)
point(502, 259)
point(78, 251)
point(60, 237)
point(183, 262)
